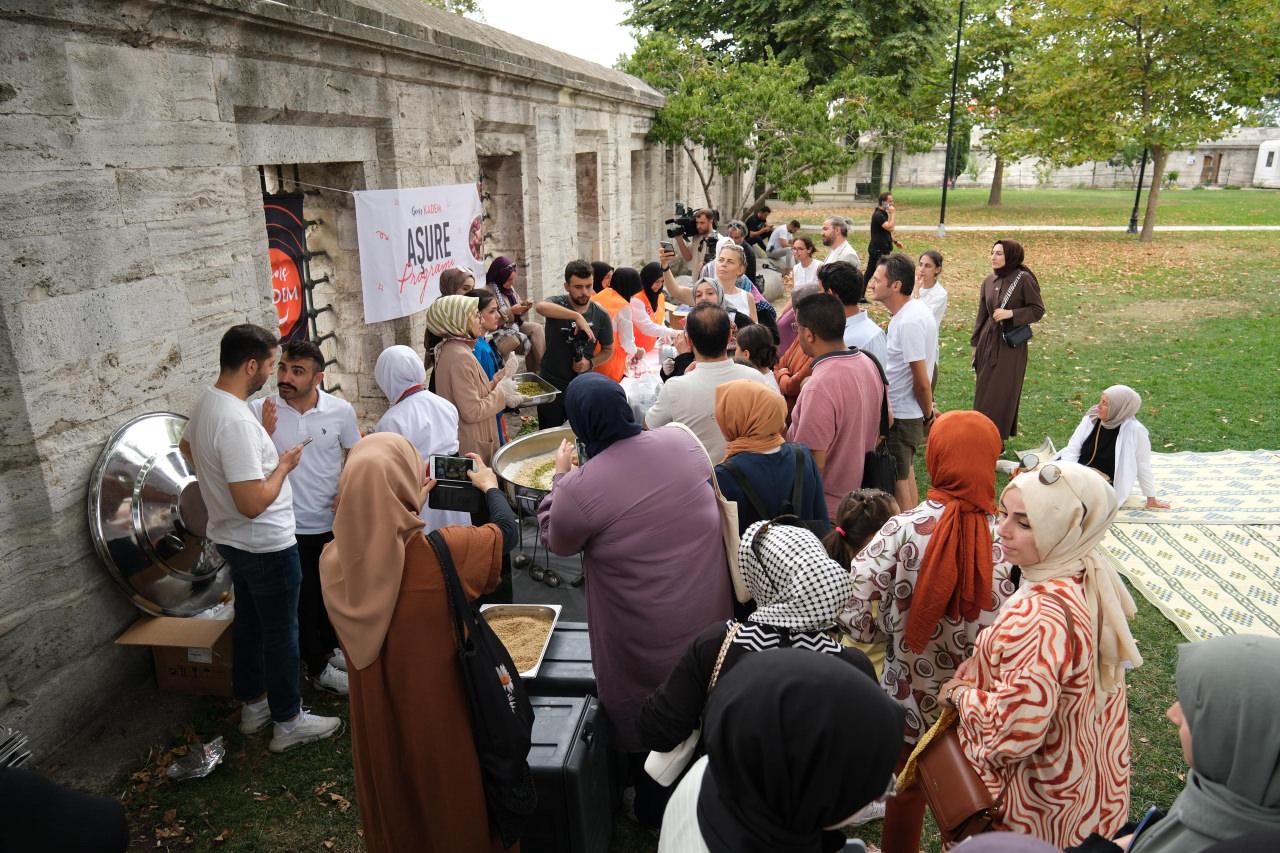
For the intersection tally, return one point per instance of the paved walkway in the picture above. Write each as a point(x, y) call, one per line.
point(930, 229)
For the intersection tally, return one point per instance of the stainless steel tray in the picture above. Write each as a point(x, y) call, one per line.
point(528, 610)
point(549, 391)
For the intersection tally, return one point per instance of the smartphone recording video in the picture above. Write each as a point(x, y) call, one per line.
point(451, 468)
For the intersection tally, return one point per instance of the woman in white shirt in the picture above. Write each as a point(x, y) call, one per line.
point(805, 270)
point(928, 289)
point(1111, 440)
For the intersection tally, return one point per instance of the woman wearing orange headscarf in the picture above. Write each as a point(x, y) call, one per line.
point(938, 577)
point(760, 468)
point(417, 775)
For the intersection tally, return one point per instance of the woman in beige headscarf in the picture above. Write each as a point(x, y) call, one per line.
point(1041, 703)
point(460, 379)
point(417, 775)
point(1112, 441)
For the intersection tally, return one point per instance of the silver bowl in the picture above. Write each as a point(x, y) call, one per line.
point(510, 455)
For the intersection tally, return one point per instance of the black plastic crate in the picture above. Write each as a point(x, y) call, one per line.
point(566, 668)
point(572, 771)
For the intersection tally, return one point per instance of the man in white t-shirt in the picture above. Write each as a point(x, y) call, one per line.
point(301, 410)
point(243, 480)
point(691, 399)
point(913, 354)
point(845, 283)
point(835, 236)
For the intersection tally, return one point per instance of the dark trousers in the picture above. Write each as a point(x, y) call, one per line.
point(651, 798)
point(316, 639)
point(265, 633)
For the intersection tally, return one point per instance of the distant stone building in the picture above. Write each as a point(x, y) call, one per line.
point(1227, 162)
point(138, 137)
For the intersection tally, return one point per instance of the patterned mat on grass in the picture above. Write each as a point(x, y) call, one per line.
point(1208, 579)
point(1229, 487)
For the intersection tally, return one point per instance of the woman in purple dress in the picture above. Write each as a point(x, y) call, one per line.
point(642, 511)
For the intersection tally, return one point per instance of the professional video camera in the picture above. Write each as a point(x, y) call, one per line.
point(684, 223)
point(581, 346)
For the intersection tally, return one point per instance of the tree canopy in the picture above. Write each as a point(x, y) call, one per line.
point(1159, 74)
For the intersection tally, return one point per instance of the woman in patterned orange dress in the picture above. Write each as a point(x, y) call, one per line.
point(1042, 701)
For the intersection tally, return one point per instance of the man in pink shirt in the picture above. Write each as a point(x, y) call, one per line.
point(838, 412)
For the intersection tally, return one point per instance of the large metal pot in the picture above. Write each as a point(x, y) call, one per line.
point(147, 520)
point(509, 457)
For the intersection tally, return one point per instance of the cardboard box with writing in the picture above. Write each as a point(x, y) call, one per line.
point(191, 655)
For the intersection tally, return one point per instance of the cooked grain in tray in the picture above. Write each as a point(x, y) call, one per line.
point(523, 636)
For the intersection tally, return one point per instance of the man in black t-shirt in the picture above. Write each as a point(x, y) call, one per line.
point(579, 337)
point(883, 221)
point(758, 227)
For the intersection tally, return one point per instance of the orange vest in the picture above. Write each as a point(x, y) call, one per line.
point(616, 367)
point(659, 314)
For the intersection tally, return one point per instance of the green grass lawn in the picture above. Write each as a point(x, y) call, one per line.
point(1188, 320)
point(1055, 207)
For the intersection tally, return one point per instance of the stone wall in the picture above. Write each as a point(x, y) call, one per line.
point(132, 234)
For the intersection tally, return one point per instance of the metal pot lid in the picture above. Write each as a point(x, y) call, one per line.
point(148, 520)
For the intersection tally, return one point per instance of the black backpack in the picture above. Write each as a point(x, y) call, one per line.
point(792, 506)
point(501, 715)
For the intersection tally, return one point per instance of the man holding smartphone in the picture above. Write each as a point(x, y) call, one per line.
point(303, 413)
point(883, 221)
point(243, 480)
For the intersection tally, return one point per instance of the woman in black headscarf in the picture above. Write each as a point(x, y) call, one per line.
point(1010, 299)
point(797, 744)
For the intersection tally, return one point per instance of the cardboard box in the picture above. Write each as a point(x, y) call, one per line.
point(191, 655)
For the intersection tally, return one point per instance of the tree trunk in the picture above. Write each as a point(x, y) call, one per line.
point(997, 183)
point(1158, 157)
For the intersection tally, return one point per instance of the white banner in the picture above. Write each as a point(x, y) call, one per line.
point(408, 237)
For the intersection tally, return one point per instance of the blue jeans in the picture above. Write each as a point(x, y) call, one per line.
point(265, 633)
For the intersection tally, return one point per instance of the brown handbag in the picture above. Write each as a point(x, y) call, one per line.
point(959, 800)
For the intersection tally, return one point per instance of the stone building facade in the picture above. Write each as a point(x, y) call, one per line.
point(1227, 162)
point(132, 236)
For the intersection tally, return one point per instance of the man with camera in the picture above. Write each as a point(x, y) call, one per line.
point(693, 247)
point(579, 337)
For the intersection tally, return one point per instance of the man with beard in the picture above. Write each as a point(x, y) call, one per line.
point(579, 337)
point(302, 410)
point(835, 235)
point(243, 480)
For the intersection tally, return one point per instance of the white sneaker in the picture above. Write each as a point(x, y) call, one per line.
point(304, 728)
point(332, 679)
point(339, 660)
point(254, 718)
point(870, 812)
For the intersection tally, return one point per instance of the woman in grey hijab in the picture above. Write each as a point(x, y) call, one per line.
point(1228, 720)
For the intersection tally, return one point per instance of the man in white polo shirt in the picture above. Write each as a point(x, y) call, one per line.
point(243, 480)
point(301, 410)
point(913, 356)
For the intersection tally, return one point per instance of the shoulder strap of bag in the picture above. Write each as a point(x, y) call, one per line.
point(797, 485)
point(459, 609)
point(1009, 293)
point(753, 497)
point(724, 650)
point(884, 392)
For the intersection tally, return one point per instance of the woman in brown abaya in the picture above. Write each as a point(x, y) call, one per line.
point(417, 775)
point(1010, 297)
